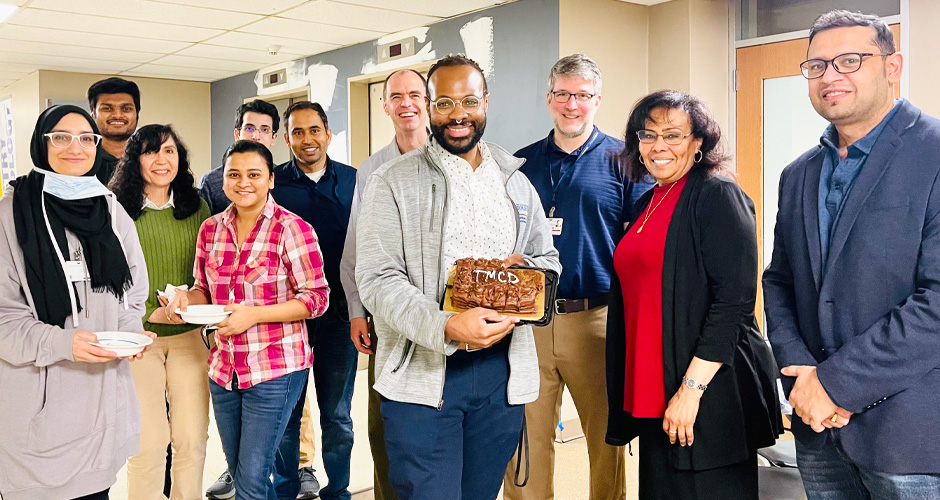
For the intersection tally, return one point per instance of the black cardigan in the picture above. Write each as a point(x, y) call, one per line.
point(709, 290)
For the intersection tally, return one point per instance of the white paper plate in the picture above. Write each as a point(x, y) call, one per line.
point(123, 344)
point(205, 314)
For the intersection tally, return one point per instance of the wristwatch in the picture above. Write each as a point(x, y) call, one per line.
point(693, 384)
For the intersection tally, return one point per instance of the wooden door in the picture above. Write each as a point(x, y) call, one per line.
point(768, 78)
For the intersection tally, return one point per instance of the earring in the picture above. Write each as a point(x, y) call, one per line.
point(699, 155)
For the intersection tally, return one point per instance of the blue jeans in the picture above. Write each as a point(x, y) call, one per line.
point(334, 374)
point(828, 474)
point(461, 450)
point(251, 422)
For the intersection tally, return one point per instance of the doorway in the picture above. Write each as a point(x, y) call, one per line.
point(775, 124)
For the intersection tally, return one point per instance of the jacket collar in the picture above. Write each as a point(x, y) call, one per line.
point(507, 163)
point(326, 186)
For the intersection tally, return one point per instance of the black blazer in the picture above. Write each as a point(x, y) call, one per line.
point(878, 302)
point(709, 290)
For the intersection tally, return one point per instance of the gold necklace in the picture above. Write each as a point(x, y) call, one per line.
point(649, 212)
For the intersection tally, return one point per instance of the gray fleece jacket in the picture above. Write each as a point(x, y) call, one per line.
point(401, 275)
point(66, 428)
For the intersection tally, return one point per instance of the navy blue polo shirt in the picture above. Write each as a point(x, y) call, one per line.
point(325, 206)
point(589, 189)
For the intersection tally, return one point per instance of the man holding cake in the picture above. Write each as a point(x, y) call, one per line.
point(453, 384)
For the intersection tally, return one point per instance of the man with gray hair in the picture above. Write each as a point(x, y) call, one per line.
point(575, 167)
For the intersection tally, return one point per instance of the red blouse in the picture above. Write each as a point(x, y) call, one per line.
point(638, 261)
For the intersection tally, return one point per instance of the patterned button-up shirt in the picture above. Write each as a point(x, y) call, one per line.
point(279, 261)
point(481, 219)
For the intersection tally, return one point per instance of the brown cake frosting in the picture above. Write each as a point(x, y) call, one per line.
point(486, 283)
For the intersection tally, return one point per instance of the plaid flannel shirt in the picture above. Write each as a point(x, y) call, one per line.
point(279, 261)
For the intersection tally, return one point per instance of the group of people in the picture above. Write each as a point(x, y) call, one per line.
point(315, 262)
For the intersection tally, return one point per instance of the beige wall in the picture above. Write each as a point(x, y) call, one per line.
point(690, 50)
point(185, 105)
point(679, 44)
point(614, 34)
point(923, 55)
point(670, 50)
point(25, 106)
point(709, 64)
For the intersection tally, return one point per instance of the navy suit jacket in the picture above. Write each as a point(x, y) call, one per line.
point(879, 299)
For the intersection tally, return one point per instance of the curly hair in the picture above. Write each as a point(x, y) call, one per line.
point(454, 60)
point(704, 127)
point(128, 183)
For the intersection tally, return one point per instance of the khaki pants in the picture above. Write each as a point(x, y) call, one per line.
point(571, 352)
point(308, 445)
point(173, 371)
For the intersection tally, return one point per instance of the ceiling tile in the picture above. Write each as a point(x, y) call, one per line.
point(357, 16)
point(42, 60)
point(142, 10)
point(126, 27)
point(20, 67)
point(437, 8)
point(62, 50)
point(167, 77)
point(266, 8)
point(311, 31)
point(212, 74)
point(32, 34)
point(262, 42)
point(258, 57)
point(202, 62)
point(15, 75)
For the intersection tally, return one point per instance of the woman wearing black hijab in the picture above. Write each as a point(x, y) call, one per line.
point(71, 265)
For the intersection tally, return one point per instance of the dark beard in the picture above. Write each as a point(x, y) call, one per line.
point(438, 132)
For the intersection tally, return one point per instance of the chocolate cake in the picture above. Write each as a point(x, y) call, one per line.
point(486, 283)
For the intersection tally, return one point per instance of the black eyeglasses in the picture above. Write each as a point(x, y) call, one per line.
point(563, 96)
point(843, 63)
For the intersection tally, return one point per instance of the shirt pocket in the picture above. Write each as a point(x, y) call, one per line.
point(215, 270)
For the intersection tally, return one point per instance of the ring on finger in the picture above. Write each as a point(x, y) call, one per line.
point(673, 432)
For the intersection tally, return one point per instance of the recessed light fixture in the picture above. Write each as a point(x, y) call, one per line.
point(6, 10)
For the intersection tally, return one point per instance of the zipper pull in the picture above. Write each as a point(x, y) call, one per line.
point(440, 405)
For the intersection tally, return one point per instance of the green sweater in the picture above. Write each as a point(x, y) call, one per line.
point(169, 247)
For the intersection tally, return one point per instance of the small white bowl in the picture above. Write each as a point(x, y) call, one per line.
point(204, 314)
point(123, 344)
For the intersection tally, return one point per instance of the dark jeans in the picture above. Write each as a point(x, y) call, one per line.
point(461, 450)
point(251, 422)
point(334, 374)
point(101, 495)
point(828, 474)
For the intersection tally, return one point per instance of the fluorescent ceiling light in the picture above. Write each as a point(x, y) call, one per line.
point(6, 10)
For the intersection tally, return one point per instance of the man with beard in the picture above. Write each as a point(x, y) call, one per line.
point(852, 294)
point(114, 103)
point(404, 102)
point(319, 190)
point(453, 384)
point(574, 168)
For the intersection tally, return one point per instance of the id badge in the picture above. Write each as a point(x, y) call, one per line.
point(556, 223)
point(75, 271)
